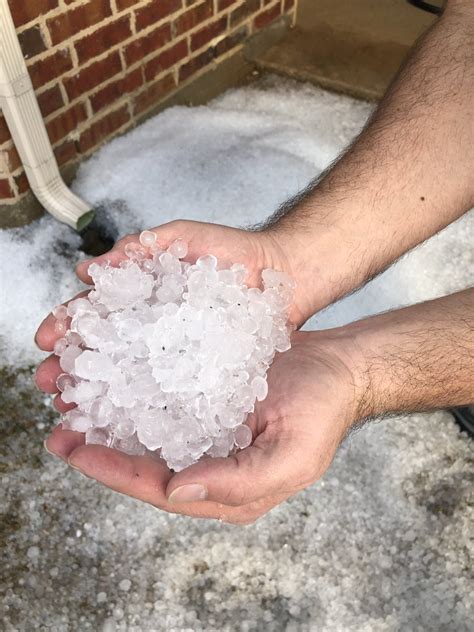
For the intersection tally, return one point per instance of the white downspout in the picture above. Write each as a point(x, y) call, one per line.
point(23, 116)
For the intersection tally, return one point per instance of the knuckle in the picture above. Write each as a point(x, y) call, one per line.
point(234, 498)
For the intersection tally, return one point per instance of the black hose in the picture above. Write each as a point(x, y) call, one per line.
point(426, 6)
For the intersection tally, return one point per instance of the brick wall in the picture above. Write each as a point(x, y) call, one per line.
point(98, 65)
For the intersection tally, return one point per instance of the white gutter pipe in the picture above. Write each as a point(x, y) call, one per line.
point(23, 116)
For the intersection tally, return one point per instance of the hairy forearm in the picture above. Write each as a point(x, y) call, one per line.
point(412, 359)
point(407, 176)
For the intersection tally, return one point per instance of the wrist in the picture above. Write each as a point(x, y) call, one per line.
point(311, 262)
point(412, 359)
point(325, 256)
point(350, 388)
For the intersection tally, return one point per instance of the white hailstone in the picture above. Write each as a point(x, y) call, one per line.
point(60, 312)
point(60, 346)
point(147, 238)
point(64, 381)
point(125, 585)
point(243, 437)
point(68, 358)
point(259, 387)
point(168, 356)
point(179, 249)
point(33, 552)
point(60, 327)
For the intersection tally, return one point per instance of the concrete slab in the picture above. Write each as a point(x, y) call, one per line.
point(351, 46)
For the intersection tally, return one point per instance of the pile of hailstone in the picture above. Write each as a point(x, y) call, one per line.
point(169, 356)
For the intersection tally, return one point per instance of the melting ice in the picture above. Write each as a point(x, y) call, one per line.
point(170, 356)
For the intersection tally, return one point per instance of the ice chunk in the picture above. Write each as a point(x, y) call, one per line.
point(64, 381)
point(171, 356)
point(60, 346)
point(178, 249)
point(243, 437)
point(92, 365)
point(82, 392)
point(147, 238)
point(259, 387)
point(60, 312)
point(76, 420)
point(68, 358)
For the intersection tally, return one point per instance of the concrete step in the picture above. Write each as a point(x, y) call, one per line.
point(350, 46)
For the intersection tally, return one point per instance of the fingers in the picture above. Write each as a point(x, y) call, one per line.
point(141, 477)
point(61, 406)
point(263, 470)
point(62, 443)
point(114, 256)
point(145, 478)
point(46, 335)
point(166, 234)
point(47, 374)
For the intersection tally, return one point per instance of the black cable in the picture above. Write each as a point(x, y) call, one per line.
point(426, 6)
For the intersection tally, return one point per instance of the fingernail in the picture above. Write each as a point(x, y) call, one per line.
point(45, 446)
point(188, 493)
point(74, 466)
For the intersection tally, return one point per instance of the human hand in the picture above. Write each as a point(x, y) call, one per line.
point(297, 430)
point(257, 250)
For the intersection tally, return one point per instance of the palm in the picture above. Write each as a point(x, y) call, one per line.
point(305, 405)
point(299, 426)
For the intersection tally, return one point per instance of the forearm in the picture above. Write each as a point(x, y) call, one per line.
point(408, 175)
point(412, 359)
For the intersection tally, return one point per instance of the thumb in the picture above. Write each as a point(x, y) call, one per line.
point(261, 470)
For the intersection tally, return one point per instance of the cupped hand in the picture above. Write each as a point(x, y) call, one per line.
point(296, 431)
point(257, 250)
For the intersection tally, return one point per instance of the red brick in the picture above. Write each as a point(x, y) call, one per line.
point(50, 100)
point(49, 68)
point(289, 4)
point(153, 94)
point(76, 19)
point(193, 17)
point(22, 183)
point(6, 190)
point(4, 131)
point(24, 11)
point(124, 4)
point(145, 45)
point(244, 11)
point(231, 41)
point(156, 10)
point(66, 152)
point(102, 129)
point(11, 158)
point(103, 39)
point(92, 76)
point(165, 60)
point(208, 33)
point(31, 42)
point(59, 127)
point(116, 89)
point(195, 64)
point(224, 4)
point(267, 16)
